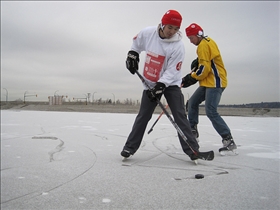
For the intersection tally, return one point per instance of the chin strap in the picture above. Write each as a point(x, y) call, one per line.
point(205, 37)
point(160, 28)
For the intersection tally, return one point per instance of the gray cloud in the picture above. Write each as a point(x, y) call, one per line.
point(80, 47)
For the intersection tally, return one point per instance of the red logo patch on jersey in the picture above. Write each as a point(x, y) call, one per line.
point(153, 66)
point(179, 65)
point(135, 37)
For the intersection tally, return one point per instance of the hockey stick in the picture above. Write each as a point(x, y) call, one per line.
point(151, 129)
point(201, 155)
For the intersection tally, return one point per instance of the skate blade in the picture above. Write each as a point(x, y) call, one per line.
point(195, 162)
point(235, 151)
point(229, 152)
point(125, 158)
point(223, 153)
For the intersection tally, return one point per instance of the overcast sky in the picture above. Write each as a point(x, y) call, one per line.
point(74, 48)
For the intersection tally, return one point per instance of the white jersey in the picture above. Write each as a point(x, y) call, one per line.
point(164, 57)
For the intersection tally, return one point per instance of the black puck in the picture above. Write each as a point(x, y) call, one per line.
point(199, 176)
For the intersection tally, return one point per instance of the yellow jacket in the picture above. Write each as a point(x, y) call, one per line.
point(211, 72)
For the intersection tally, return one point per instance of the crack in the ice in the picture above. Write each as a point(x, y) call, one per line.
point(58, 147)
point(39, 193)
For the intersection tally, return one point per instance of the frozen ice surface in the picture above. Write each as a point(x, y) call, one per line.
point(71, 160)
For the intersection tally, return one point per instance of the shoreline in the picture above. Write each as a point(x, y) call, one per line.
point(133, 109)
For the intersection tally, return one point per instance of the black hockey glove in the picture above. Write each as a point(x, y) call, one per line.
point(194, 64)
point(132, 61)
point(156, 92)
point(188, 80)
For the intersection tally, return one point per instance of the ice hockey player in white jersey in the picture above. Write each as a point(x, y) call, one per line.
point(165, 54)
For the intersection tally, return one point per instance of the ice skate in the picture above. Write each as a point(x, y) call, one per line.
point(228, 146)
point(126, 154)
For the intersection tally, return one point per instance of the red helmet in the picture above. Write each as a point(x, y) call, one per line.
point(172, 17)
point(194, 30)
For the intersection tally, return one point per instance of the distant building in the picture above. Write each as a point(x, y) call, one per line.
point(55, 100)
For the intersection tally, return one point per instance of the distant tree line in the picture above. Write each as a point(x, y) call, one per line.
point(254, 105)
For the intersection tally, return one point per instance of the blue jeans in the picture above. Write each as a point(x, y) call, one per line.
point(212, 97)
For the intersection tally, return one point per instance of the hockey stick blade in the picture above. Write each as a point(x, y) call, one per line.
point(150, 130)
point(206, 155)
point(155, 123)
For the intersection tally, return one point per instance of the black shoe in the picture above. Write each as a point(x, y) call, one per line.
point(187, 104)
point(195, 133)
point(125, 153)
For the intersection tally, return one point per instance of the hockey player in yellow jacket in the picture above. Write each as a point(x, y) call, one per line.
point(210, 71)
